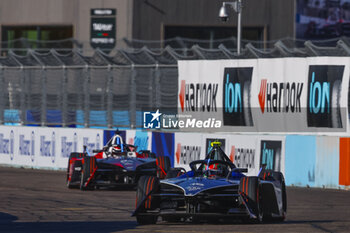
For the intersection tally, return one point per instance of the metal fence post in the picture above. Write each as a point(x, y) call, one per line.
point(22, 96)
point(109, 91)
point(2, 87)
point(43, 97)
point(64, 96)
point(157, 87)
point(132, 112)
point(86, 97)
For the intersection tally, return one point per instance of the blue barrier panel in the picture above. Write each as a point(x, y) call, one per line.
point(98, 117)
point(80, 119)
point(141, 140)
point(300, 160)
point(121, 118)
point(139, 119)
point(71, 116)
point(33, 117)
point(164, 144)
point(11, 117)
point(327, 162)
point(54, 117)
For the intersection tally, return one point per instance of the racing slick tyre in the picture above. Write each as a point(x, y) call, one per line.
point(87, 173)
point(163, 166)
point(280, 178)
point(174, 172)
point(276, 176)
point(146, 185)
point(249, 188)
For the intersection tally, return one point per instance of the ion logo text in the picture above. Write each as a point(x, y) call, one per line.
point(319, 96)
point(270, 154)
point(236, 96)
point(233, 97)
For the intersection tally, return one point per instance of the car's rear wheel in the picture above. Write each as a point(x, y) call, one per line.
point(277, 176)
point(163, 166)
point(249, 187)
point(89, 167)
point(145, 186)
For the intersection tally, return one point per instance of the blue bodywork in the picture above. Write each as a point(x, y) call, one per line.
point(213, 186)
point(128, 163)
point(192, 185)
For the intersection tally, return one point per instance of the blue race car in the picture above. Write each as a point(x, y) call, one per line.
point(213, 187)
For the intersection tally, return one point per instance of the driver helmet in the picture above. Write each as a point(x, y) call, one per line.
point(216, 169)
point(115, 150)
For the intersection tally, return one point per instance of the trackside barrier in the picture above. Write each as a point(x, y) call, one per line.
point(288, 95)
point(300, 160)
point(41, 147)
point(344, 161)
point(317, 161)
point(314, 161)
point(327, 162)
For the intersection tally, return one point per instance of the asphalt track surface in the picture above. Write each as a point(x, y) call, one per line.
point(38, 201)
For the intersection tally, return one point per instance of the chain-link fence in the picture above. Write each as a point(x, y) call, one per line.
point(68, 88)
point(73, 90)
point(112, 96)
point(182, 45)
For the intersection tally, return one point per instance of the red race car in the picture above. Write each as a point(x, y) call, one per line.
point(115, 164)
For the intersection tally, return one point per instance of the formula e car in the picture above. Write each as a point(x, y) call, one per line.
point(213, 187)
point(117, 163)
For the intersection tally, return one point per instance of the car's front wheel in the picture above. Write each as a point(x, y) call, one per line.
point(144, 201)
point(249, 187)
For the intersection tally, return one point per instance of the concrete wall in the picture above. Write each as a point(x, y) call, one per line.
point(300, 160)
point(344, 161)
point(317, 161)
point(65, 12)
point(327, 162)
point(146, 19)
point(150, 16)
